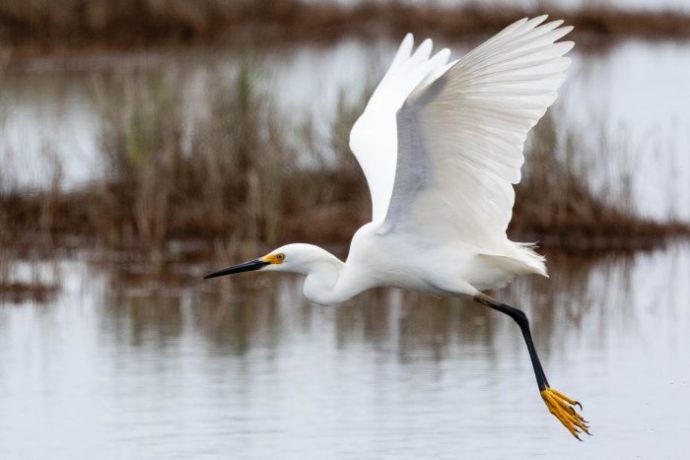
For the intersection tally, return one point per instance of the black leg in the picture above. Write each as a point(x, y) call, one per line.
point(521, 319)
point(560, 405)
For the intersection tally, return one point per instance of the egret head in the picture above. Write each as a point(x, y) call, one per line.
point(296, 258)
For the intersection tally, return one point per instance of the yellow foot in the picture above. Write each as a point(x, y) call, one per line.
point(563, 408)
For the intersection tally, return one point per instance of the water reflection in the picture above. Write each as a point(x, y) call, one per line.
point(239, 315)
point(246, 368)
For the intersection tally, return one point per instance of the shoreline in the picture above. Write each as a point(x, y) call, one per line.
point(27, 32)
point(328, 225)
point(187, 264)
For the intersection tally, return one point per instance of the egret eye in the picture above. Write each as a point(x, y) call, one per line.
point(280, 257)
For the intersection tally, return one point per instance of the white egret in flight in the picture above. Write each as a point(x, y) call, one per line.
point(441, 143)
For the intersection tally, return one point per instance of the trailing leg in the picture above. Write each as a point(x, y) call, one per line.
point(561, 406)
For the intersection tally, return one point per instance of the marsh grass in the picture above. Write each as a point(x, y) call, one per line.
point(41, 284)
point(579, 193)
point(182, 177)
point(238, 174)
point(18, 292)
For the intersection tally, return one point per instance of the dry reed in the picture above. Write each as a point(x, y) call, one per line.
point(237, 172)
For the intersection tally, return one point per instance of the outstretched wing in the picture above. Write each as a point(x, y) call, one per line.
point(460, 138)
point(373, 138)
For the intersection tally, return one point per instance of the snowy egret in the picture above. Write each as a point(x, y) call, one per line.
point(441, 143)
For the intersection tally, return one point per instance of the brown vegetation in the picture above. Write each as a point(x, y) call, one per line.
point(16, 292)
point(237, 173)
point(236, 176)
point(87, 23)
point(556, 205)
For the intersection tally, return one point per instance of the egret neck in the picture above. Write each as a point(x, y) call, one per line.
point(327, 281)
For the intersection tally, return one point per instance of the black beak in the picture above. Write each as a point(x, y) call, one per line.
point(245, 267)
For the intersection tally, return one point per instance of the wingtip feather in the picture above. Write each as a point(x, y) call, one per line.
point(424, 50)
point(408, 40)
point(566, 47)
point(534, 22)
point(566, 30)
point(404, 50)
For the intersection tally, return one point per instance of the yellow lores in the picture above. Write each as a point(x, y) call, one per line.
point(273, 258)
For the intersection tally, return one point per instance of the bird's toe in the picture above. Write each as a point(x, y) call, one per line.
point(563, 408)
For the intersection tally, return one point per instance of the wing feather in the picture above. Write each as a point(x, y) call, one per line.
point(460, 136)
point(373, 137)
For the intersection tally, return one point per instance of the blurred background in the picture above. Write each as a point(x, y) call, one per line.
point(146, 142)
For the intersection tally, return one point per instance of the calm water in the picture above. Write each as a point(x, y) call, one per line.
point(120, 366)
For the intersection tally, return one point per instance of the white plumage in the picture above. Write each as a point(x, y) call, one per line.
point(441, 145)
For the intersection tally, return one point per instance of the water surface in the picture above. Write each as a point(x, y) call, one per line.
point(119, 366)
